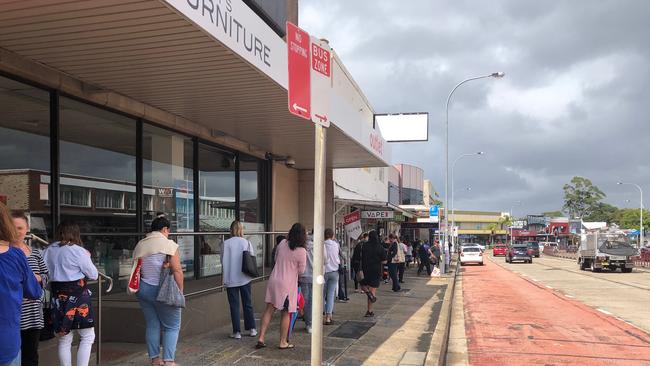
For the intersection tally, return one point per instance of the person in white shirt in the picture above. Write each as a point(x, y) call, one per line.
point(332, 262)
point(236, 282)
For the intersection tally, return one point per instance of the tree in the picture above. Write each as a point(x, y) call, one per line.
point(628, 218)
point(492, 227)
point(553, 214)
point(581, 197)
point(603, 212)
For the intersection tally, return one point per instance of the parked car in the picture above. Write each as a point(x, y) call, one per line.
point(534, 247)
point(471, 254)
point(499, 249)
point(519, 252)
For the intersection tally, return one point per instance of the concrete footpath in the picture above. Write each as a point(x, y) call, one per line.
point(409, 328)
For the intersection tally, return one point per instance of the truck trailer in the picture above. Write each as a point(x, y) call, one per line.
point(606, 249)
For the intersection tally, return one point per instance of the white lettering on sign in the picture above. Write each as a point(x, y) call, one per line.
point(320, 59)
point(377, 214)
point(240, 29)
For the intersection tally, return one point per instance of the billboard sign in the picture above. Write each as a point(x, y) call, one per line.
point(403, 127)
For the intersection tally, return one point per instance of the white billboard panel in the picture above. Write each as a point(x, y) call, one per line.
point(403, 127)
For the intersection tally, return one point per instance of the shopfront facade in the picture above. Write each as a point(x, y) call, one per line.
point(114, 113)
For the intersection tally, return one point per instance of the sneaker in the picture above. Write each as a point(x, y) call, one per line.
point(236, 335)
point(253, 332)
point(308, 329)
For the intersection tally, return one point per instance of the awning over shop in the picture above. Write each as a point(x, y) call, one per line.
point(221, 67)
point(373, 205)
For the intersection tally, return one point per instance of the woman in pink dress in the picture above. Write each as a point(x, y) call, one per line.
point(282, 288)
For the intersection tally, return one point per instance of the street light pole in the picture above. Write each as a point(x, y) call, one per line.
point(641, 237)
point(512, 221)
point(453, 212)
point(446, 232)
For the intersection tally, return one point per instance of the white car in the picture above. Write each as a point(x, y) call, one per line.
point(471, 254)
point(473, 245)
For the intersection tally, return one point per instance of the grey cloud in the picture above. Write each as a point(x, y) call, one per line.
point(577, 76)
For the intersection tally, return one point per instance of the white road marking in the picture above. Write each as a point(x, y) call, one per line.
point(547, 286)
point(534, 279)
point(604, 311)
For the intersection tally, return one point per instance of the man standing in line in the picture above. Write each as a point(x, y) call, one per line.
point(395, 257)
point(424, 252)
point(401, 265)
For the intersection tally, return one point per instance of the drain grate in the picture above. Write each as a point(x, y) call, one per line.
point(352, 329)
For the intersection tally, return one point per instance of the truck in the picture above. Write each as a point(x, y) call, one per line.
point(606, 249)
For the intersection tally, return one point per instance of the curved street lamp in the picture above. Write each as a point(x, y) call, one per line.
point(496, 75)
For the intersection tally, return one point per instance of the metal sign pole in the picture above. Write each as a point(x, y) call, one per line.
point(319, 228)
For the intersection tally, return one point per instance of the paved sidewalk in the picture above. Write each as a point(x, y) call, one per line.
point(400, 333)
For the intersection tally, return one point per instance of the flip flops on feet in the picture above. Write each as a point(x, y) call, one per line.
point(288, 346)
point(369, 314)
point(260, 345)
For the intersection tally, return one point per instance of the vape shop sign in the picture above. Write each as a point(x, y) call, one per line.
point(380, 215)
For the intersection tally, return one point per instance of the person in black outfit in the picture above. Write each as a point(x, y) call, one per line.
point(424, 252)
point(373, 256)
point(393, 265)
point(356, 260)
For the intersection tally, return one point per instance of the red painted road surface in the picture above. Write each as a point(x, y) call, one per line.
point(511, 321)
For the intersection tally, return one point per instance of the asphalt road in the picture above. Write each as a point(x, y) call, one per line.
point(623, 295)
point(517, 314)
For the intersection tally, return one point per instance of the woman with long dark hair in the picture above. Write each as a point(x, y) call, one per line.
point(70, 267)
point(373, 256)
point(18, 282)
point(282, 288)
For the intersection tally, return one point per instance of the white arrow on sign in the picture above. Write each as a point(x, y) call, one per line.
point(299, 108)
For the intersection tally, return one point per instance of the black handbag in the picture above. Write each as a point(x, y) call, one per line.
point(249, 262)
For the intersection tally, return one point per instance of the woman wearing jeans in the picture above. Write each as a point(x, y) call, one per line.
point(154, 250)
point(70, 267)
point(237, 283)
point(332, 261)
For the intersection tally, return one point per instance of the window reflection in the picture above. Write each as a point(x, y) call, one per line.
point(167, 173)
point(25, 151)
point(97, 162)
point(216, 189)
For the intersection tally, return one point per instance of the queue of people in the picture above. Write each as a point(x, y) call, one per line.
point(156, 279)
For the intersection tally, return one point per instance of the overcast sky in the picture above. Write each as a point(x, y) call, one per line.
point(575, 99)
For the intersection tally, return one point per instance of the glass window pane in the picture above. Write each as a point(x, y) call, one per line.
point(216, 204)
point(216, 189)
point(98, 169)
point(251, 211)
point(168, 178)
point(25, 150)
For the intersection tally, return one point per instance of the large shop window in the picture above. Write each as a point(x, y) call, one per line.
point(25, 151)
point(251, 203)
point(168, 178)
point(98, 170)
point(216, 204)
